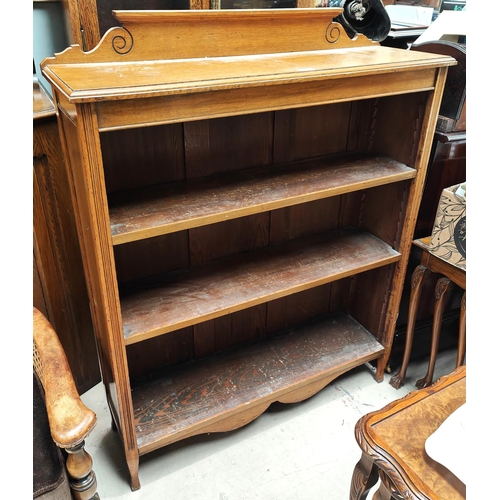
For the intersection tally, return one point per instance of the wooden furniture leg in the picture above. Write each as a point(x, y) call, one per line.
point(461, 334)
point(442, 287)
point(417, 280)
point(386, 489)
point(133, 469)
point(364, 477)
point(82, 478)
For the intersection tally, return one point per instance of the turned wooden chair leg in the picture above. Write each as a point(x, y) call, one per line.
point(442, 287)
point(461, 334)
point(364, 477)
point(82, 479)
point(417, 280)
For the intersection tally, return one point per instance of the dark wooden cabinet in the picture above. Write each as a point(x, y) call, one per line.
point(59, 289)
point(246, 185)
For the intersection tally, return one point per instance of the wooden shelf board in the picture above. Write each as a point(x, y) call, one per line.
point(233, 387)
point(194, 295)
point(191, 204)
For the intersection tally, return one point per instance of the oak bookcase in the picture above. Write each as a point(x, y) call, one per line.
point(246, 185)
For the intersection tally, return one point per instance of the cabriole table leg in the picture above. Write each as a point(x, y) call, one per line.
point(386, 490)
point(461, 334)
point(364, 477)
point(417, 280)
point(443, 286)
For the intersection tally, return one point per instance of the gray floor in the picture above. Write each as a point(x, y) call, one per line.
point(303, 451)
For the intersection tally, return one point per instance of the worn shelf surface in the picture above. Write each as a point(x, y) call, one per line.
point(193, 295)
point(233, 387)
point(185, 205)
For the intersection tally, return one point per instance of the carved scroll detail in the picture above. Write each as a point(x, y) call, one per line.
point(416, 277)
point(123, 44)
point(332, 33)
point(442, 287)
point(386, 469)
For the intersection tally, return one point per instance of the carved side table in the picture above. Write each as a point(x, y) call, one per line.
point(452, 276)
point(393, 439)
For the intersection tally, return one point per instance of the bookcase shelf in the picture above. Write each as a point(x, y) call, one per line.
point(190, 296)
point(245, 207)
point(215, 393)
point(165, 209)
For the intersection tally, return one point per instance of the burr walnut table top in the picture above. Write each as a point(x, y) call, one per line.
point(394, 439)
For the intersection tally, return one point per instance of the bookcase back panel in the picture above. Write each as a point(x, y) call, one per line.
point(311, 131)
point(152, 257)
point(150, 156)
point(368, 299)
point(364, 297)
point(230, 330)
point(396, 126)
point(151, 356)
point(225, 144)
point(384, 210)
point(208, 243)
point(305, 219)
point(135, 158)
point(297, 308)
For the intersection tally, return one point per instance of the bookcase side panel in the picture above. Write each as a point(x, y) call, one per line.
point(83, 156)
point(428, 113)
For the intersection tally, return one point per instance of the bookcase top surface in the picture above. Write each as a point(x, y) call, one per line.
point(174, 52)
